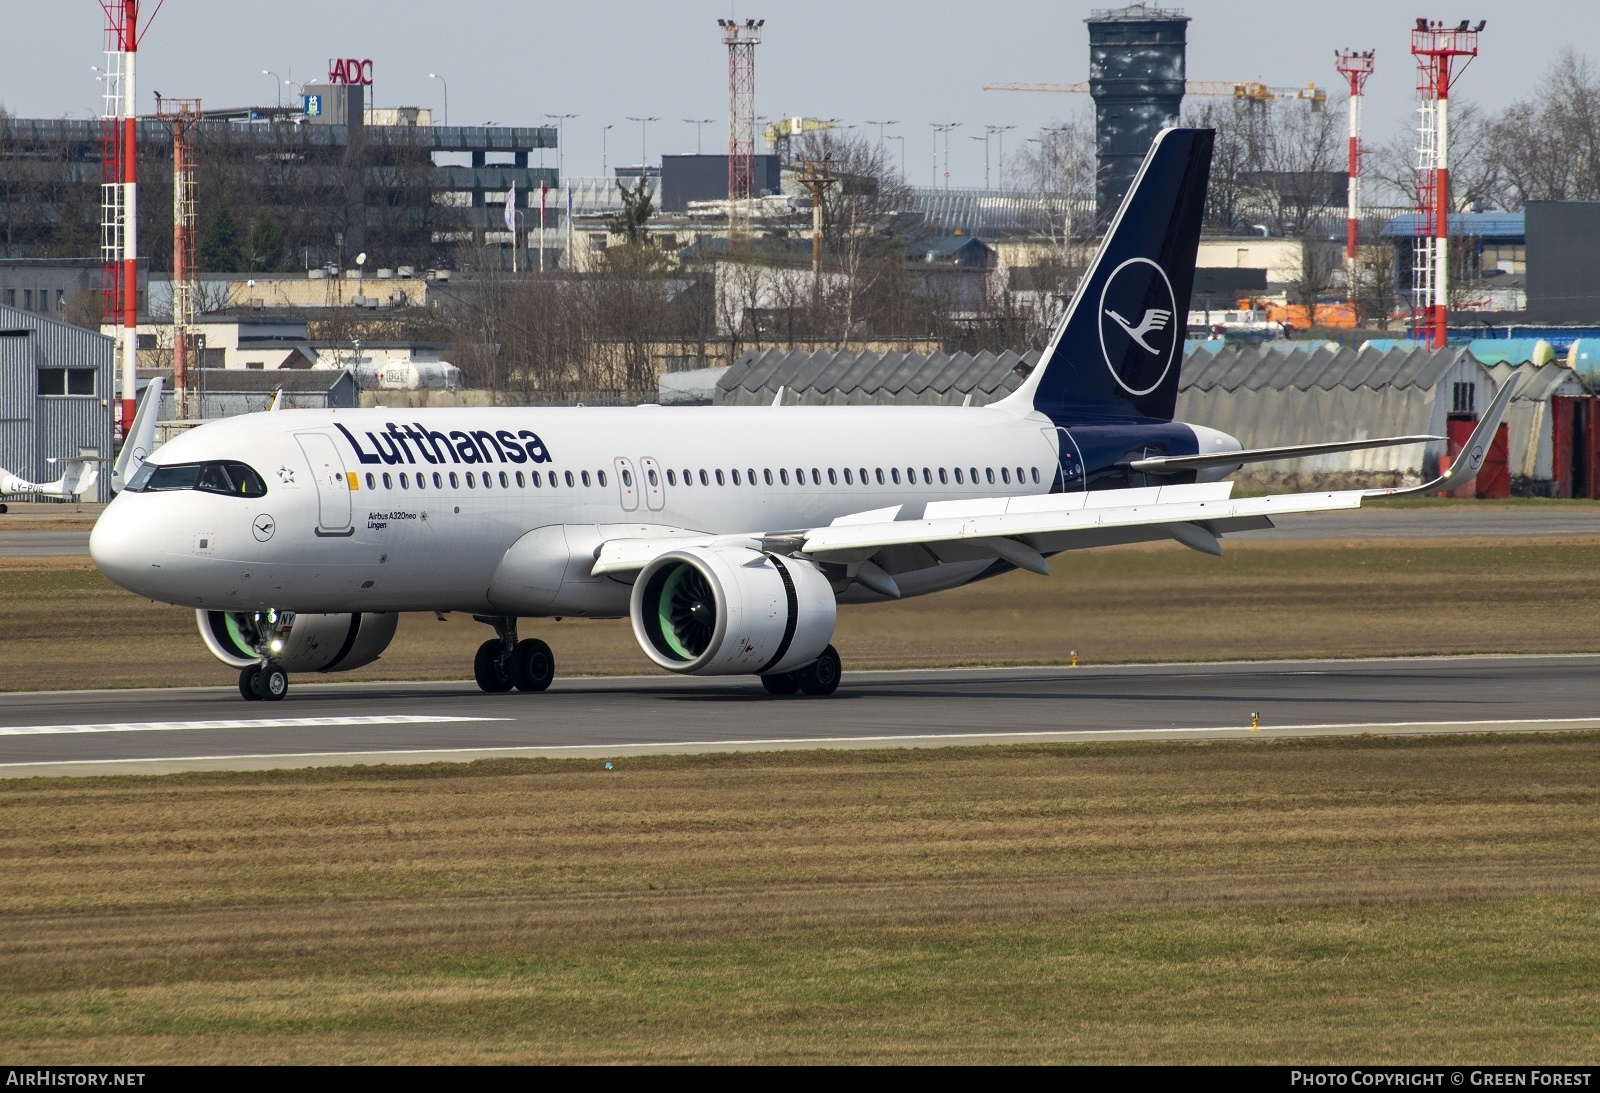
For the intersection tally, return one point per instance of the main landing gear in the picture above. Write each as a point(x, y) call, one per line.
point(267, 682)
point(504, 662)
point(821, 678)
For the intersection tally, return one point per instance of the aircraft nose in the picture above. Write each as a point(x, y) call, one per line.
point(123, 548)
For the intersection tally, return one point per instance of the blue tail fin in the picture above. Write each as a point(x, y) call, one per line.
point(1118, 351)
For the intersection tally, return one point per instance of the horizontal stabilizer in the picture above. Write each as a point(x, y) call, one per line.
point(1268, 455)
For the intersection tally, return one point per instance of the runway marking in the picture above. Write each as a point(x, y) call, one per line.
point(266, 760)
point(240, 723)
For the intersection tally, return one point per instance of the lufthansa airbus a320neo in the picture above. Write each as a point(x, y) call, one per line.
point(727, 534)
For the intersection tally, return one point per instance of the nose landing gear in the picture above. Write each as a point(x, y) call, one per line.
point(258, 683)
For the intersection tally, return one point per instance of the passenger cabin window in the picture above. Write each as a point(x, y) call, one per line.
point(455, 483)
point(585, 477)
point(958, 477)
point(990, 472)
point(750, 475)
point(880, 476)
point(388, 483)
point(505, 483)
point(372, 481)
point(783, 475)
point(705, 479)
point(223, 476)
point(571, 482)
point(720, 480)
point(833, 477)
point(894, 473)
point(520, 483)
point(672, 478)
point(1005, 475)
point(627, 479)
point(766, 476)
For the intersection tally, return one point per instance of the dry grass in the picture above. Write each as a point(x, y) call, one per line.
point(1363, 598)
point(1356, 900)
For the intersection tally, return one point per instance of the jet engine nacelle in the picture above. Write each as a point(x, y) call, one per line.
point(312, 643)
point(731, 611)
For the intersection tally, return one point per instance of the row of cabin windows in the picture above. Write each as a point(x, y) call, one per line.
point(851, 477)
point(487, 479)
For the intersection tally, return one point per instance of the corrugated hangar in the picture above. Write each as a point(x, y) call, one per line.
point(830, 378)
point(55, 380)
point(1278, 393)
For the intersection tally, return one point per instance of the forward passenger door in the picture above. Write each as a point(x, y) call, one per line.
point(333, 484)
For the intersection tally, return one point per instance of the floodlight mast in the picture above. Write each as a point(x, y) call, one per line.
point(1438, 49)
point(741, 40)
point(1356, 68)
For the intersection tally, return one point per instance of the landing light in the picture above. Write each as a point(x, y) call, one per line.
point(276, 645)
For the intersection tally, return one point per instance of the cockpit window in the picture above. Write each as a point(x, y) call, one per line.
point(215, 477)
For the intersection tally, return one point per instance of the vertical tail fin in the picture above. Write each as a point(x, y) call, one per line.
point(141, 440)
point(1118, 350)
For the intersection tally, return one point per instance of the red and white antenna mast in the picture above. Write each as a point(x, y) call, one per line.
point(180, 116)
point(1442, 53)
point(741, 40)
point(119, 209)
point(1354, 67)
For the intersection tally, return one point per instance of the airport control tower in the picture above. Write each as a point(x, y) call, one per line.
point(1136, 74)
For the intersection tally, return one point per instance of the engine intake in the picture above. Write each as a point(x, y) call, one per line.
point(313, 643)
point(731, 611)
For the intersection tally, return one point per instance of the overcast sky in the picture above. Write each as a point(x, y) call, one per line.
point(512, 62)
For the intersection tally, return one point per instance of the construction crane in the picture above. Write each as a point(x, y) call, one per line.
point(1247, 90)
point(781, 131)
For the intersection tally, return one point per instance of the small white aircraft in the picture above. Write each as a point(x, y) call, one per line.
point(82, 472)
point(79, 474)
point(727, 535)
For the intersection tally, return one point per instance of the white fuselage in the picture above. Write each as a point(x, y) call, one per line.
point(408, 530)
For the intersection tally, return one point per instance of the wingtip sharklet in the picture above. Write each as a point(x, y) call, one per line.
point(1473, 453)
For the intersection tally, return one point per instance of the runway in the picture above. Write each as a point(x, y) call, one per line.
point(156, 731)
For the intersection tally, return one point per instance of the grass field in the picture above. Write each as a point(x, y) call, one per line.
point(1353, 900)
point(65, 626)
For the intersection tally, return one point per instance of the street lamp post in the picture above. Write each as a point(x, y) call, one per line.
point(644, 128)
point(561, 140)
point(985, 139)
point(697, 123)
point(945, 129)
point(446, 86)
point(277, 81)
point(604, 165)
point(1000, 151)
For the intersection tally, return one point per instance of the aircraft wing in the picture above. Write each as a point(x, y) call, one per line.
point(1023, 530)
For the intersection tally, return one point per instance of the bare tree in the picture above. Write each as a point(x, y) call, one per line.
point(1547, 147)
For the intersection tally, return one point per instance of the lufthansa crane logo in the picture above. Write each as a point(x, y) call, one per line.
point(262, 527)
point(1139, 325)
